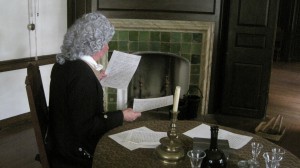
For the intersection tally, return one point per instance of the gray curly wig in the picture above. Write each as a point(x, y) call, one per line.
point(86, 36)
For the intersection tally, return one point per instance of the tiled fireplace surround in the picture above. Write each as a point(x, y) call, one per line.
point(190, 39)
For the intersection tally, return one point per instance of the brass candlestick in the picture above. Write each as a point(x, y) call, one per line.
point(171, 151)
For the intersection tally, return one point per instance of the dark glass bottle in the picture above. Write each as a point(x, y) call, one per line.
point(215, 158)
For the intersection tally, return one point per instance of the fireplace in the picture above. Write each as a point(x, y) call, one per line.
point(157, 75)
point(183, 47)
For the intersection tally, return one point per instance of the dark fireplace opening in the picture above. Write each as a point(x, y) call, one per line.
point(158, 74)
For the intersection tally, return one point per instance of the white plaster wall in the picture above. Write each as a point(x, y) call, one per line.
point(51, 26)
point(13, 94)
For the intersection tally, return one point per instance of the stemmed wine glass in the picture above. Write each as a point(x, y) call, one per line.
point(256, 148)
point(278, 151)
point(196, 157)
point(272, 159)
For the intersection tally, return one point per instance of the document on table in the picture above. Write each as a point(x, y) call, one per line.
point(141, 105)
point(145, 138)
point(120, 69)
point(142, 137)
point(236, 141)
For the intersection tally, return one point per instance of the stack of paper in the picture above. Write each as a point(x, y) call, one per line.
point(236, 141)
point(142, 137)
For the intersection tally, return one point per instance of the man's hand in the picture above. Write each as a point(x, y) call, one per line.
point(130, 115)
point(102, 74)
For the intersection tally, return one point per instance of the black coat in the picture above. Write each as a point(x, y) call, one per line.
point(76, 114)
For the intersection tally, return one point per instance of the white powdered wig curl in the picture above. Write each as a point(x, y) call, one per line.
point(86, 36)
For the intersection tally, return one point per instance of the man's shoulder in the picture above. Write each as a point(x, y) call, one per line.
point(75, 64)
point(75, 67)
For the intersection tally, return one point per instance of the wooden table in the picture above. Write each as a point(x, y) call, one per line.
point(110, 154)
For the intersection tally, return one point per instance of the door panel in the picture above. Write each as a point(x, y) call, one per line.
point(248, 16)
point(295, 33)
point(249, 57)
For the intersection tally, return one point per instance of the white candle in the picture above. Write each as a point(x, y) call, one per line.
point(176, 99)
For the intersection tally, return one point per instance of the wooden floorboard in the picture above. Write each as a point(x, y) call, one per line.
point(18, 149)
point(284, 99)
point(18, 146)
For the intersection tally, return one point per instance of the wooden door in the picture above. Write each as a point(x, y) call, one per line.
point(289, 28)
point(76, 8)
point(294, 35)
point(250, 41)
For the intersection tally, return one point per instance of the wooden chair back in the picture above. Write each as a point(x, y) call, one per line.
point(38, 109)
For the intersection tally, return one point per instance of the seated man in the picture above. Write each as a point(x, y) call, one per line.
point(76, 113)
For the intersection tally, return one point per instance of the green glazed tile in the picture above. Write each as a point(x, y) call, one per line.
point(155, 36)
point(186, 48)
point(123, 45)
point(133, 36)
point(175, 37)
point(123, 35)
point(143, 46)
point(175, 47)
point(187, 37)
point(196, 48)
point(195, 69)
point(155, 46)
point(113, 45)
point(144, 36)
point(197, 37)
point(165, 37)
point(195, 59)
point(116, 36)
point(165, 47)
point(133, 46)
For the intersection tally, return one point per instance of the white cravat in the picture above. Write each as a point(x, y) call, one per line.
point(91, 62)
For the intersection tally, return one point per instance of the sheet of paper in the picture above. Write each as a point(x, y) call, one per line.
point(122, 138)
point(236, 141)
point(141, 105)
point(146, 138)
point(141, 137)
point(120, 69)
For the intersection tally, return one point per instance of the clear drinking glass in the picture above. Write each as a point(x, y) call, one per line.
point(272, 159)
point(196, 157)
point(256, 148)
point(279, 151)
